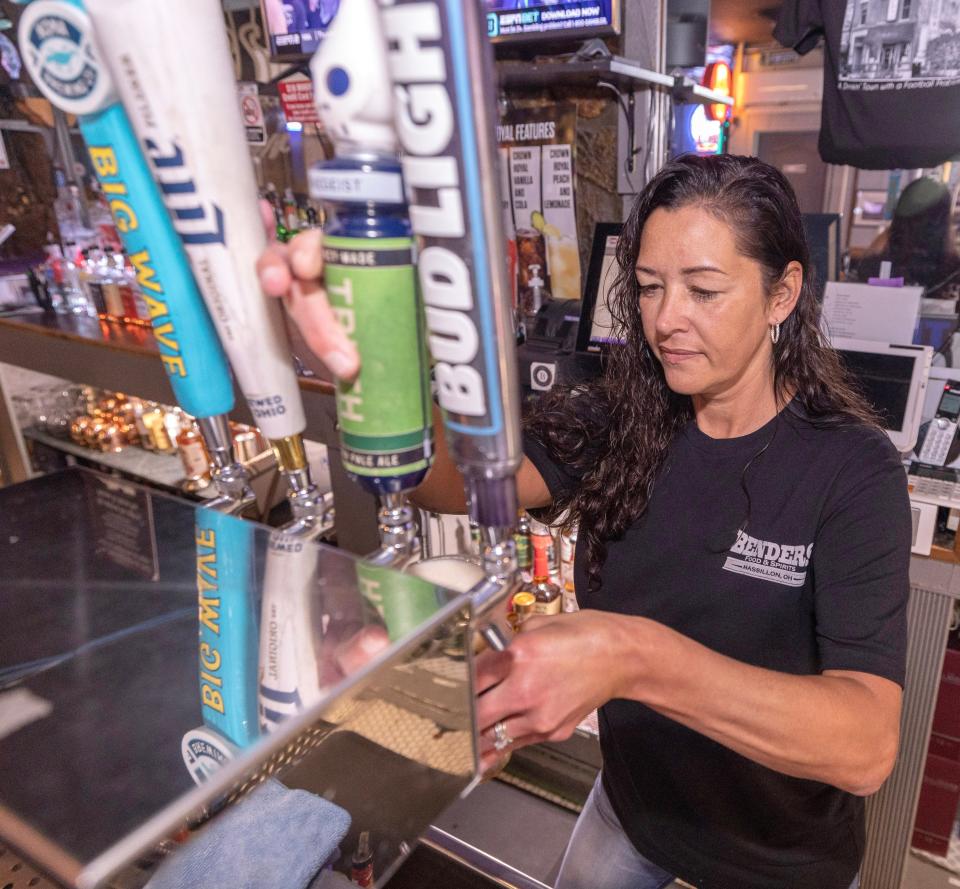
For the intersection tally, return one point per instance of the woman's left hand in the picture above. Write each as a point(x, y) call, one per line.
point(555, 672)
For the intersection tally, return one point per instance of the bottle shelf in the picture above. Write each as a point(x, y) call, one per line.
point(163, 470)
point(126, 359)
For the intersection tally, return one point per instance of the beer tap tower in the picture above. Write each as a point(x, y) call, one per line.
point(447, 154)
point(385, 415)
point(172, 68)
point(441, 68)
point(189, 348)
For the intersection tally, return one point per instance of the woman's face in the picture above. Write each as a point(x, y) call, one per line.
point(704, 307)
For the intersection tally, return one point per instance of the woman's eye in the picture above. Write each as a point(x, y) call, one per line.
point(703, 295)
point(649, 289)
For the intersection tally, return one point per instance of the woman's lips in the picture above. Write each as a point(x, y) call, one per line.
point(676, 356)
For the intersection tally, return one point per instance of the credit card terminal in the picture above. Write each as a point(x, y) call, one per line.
point(940, 445)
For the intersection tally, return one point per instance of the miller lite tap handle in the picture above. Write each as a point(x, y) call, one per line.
point(172, 67)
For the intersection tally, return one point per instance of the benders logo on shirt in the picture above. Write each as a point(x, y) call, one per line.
point(777, 562)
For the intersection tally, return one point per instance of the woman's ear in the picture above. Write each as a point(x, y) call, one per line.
point(785, 293)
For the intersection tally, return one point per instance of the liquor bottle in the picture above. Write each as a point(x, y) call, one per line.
point(524, 604)
point(173, 421)
point(568, 549)
point(547, 593)
point(248, 442)
point(283, 233)
point(476, 542)
point(91, 274)
point(193, 455)
point(139, 409)
point(75, 294)
point(66, 208)
point(521, 538)
point(539, 530)
point(361, 864)
point(135, 309)
point(159, 438)
point(111, 284)
point(291, 216)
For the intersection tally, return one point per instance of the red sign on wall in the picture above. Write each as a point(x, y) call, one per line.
point(296, 96)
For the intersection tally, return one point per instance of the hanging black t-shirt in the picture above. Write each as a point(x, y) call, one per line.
point(891, 83)
point(816, 578)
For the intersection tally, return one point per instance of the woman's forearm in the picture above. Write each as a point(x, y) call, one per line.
point(841, 728)
point(443, 488)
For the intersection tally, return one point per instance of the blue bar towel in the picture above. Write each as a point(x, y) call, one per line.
point(273, 837)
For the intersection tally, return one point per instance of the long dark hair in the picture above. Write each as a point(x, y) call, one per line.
point(615, 432)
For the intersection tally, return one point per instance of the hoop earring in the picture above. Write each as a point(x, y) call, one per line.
point(775, 333)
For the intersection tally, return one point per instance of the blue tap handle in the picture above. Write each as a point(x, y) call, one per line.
point(227, 626)
point(59, 49)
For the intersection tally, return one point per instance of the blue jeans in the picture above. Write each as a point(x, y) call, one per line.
point(599, 855)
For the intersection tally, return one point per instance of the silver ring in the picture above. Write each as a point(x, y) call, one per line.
point(501, 739)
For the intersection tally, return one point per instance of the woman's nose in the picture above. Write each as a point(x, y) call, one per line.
point(672, 315)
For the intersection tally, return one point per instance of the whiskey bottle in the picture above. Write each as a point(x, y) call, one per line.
point(522, 540)
point(193, 455)
point(547, 593)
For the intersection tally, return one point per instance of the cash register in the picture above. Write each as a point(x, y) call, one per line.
point(893, 379)
point(569, 339)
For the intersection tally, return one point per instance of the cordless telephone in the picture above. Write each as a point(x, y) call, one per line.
point(940, 445)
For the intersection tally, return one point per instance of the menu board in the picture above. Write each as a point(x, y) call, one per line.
point(539, 208)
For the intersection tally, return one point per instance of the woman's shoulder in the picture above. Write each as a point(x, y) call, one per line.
point(847, 445)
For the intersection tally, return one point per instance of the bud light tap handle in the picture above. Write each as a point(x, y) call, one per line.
point(441, 66)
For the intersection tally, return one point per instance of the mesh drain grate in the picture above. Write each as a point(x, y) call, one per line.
point(15, 873)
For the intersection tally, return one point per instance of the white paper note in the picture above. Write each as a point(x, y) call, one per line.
point(865, 312)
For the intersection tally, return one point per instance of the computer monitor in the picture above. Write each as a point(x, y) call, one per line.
point(595, 334)
point(526, 20)
point(894, 381)
point(936, 331)
point(822, 231)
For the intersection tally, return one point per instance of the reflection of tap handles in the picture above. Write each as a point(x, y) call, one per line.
point(58, 39)
point(404, 601)
point(227, 644)
point(171, 65)
point(228, 627)
point(289, 649)
point(385, 420)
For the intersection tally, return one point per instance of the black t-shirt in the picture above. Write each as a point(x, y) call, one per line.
point(814, 578)
point(891, 83)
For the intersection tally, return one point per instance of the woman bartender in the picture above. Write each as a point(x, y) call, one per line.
point(742, 567)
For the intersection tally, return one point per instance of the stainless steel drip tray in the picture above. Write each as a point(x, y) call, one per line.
point(139, 713)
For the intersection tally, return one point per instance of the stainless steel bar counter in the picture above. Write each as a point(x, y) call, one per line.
point(158, 661)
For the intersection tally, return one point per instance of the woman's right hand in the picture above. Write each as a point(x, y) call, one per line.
point(293, 272)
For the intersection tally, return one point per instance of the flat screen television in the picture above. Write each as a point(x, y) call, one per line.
point(295, 28)
point(521, 20)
